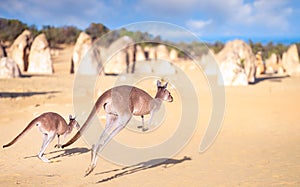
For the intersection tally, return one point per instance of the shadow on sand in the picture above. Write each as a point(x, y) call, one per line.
point(270, 78)
point(65, 153)
point(69, 152)
point(23, 94)
point(164, 162)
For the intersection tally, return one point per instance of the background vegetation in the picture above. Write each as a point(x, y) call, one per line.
point(10, 29)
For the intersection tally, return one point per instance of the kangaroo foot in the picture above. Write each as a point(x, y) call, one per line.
point(89, 170)
point(44, 159)
point(145, 129)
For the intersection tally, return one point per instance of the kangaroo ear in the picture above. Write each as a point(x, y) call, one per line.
point(165, 86)
point(71, 118)
point(158, 83)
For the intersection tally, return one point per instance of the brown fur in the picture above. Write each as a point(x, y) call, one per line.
point(120, 103)
point(50, 124)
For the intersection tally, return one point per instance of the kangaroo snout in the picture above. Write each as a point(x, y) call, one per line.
point(170, 99)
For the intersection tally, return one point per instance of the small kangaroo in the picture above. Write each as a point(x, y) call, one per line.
point(50, 124)
point(120, 104)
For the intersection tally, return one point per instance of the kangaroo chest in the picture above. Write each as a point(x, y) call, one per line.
point(141, 108)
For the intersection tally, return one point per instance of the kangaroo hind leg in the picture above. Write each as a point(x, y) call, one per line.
point(115, 127)
point(47, 139)
point(110, 124)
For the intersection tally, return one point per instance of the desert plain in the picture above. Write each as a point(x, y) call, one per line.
point(257, 145)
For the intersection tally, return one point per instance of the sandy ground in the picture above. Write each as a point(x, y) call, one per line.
point(258, 145)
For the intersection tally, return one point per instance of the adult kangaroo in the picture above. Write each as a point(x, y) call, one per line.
point(50, 124)
point(120, 104)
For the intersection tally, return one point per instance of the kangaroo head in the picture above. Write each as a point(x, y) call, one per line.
point(73, 122)
point(163, 93)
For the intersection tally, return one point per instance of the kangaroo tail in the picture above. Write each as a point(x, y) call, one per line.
point(29, 126)
point(96, 107)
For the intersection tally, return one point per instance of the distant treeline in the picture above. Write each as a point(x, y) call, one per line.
point(11, 28)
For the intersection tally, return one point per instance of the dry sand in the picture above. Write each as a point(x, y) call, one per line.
point(258, 145)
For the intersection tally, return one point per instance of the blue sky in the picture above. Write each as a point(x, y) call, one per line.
point(211, 19)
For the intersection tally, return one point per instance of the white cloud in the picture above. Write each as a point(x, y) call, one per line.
point(273, 14)
point(228, 15)
point(200, 16)
point(167, 7)
point(265, 13)
point(67, 12)
point(198, 24)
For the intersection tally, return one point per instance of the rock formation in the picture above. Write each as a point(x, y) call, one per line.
point(116, 57)
point(162, 52)
point(140, 54)
point(82, 45)
point(2, 51)
point(92, 62)
point(237, 63)
point(233, 74)
point(290, 61)
point(9, 68)
point(40, 58)
point(272, 64)
point(19, 51)
point(260, 66)
point(173, 55)
point(151, 53)
point(156, 67)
